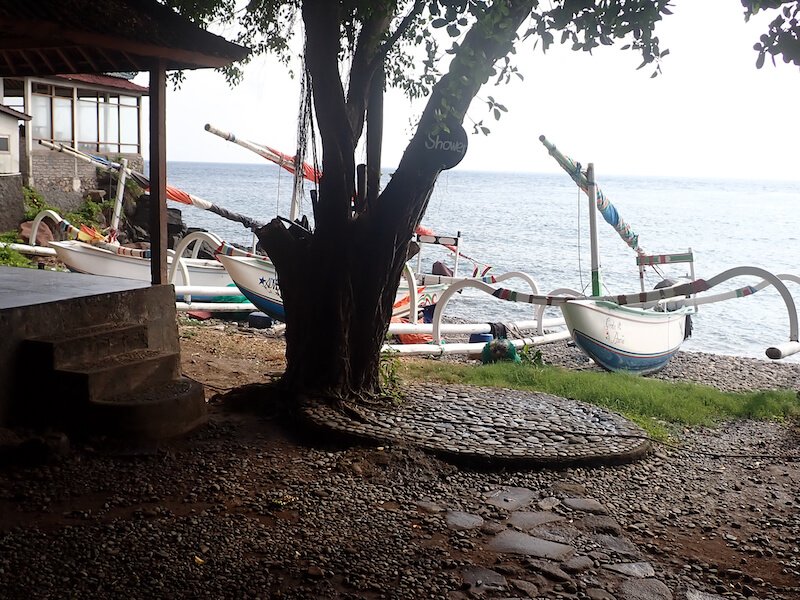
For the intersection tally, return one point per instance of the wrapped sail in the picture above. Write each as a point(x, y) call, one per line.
point(605, 207)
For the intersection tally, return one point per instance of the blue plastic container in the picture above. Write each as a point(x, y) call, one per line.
point(480, 338)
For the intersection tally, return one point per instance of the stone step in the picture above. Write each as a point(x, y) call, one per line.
point(99, 379)
point(152, 412)
point(78, 346)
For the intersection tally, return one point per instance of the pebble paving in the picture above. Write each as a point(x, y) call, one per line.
point(499, 427)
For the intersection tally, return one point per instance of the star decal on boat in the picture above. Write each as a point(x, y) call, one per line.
point(262, 282)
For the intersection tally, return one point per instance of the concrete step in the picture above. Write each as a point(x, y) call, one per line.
point(79, 346)
point(98, 379)
point(152, 412)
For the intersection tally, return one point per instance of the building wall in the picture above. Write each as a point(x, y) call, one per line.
point(11, 204)
point(64, 180)
point(9, 161)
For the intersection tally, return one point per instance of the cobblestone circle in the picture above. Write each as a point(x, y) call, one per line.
point(497, 427)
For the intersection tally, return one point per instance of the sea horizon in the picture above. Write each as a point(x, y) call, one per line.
point(388, 169)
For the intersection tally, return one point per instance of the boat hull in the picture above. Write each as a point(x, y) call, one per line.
point(257, 279)
point(621, 338)
point(92, 260)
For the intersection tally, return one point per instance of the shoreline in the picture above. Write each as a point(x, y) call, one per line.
point(725, 372)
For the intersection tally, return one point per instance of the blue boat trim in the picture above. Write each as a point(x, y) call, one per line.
point(268, 307)
point(614, 359)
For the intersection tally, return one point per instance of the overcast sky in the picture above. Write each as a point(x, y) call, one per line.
point(711, 113)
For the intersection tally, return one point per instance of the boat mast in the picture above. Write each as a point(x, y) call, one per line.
point(122, 174)
point(592, 192)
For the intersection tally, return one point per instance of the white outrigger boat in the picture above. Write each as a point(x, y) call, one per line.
point(638, 332)
point(200, 284)
point(640, 335)
point(88, 251)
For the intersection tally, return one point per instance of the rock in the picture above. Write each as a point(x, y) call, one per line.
point(428, 507)
point(43, 234)
point(693, 594)
point(548, 503)
point(314, 572)
point(618, 545)
point(525, 586)
point(510, 498)
point(599, 594)
point(577, 564)
point(515, 542)
point(638, 569)
point(568, 487)
point(480, 579)
point(549, 570)
point(589, 505)
point(527, 520)
point(643, 589)
point(458, 520)
point(600, 524)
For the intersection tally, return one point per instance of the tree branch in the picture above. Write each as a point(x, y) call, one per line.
point(407, 21)
point(364, 65)
point(322, 20)
point(489, 39)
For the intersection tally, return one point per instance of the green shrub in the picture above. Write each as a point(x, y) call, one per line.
point(34, 203)
point(90, 213)
point(10, 237)
point(12, 258)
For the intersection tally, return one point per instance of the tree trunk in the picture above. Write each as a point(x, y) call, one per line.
point(339, 283)
point(338, 291)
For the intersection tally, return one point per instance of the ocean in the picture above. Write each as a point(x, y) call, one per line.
point(538, 224)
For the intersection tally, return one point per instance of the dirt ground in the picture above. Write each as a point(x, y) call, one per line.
point(715, 531)
point(250, 504)
point(223, 357)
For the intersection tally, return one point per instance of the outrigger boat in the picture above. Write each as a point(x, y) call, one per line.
point(642, 339)
point(95, 253)
point(637, 332)
point(199, 283)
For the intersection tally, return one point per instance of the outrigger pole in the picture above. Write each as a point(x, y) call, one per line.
point(173, 193)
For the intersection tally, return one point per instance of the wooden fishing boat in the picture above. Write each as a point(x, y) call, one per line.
point(642, 339)
point(257, 279)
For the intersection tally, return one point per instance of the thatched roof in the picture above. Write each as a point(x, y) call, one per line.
point(48, 37)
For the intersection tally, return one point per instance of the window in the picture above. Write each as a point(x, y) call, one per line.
point(104, 122)
point(108, 123)
point(62, 120)
point(87, 124)
point(5, 146)
point(42, 118)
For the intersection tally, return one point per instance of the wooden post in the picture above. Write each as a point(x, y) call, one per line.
point(595, 253)
point(158, 174)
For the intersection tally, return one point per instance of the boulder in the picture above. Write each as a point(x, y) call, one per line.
point(43, 235)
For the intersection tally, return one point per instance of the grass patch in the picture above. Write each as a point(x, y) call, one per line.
point(657, 406)
point(9, 257)
point(89, 213)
